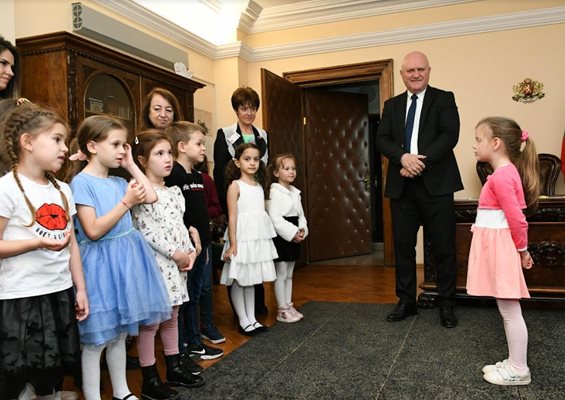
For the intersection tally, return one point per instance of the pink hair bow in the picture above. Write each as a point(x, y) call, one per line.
point(79, 155)
point(525, 136)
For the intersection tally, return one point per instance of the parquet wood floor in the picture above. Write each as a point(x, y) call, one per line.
point(347, 282)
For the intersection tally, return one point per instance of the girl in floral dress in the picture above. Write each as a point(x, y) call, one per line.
point(161, 223)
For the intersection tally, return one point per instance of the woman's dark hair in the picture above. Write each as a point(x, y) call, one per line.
point(6, 107)
point(232, 172)
point(171, 98)
point(13, 88)
point(243, 96)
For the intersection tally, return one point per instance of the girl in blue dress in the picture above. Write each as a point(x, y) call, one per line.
point(123, 281)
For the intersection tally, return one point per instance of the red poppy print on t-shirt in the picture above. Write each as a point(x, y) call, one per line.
point(52, 217)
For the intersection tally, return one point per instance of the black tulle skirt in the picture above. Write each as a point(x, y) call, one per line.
point(39, 342)
point(287, 251)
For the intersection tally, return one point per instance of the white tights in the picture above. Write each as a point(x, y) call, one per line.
point(516, 333)
point(116, 360)
point(243, 299)
point(283, 283)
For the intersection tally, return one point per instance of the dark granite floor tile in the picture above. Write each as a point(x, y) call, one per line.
point(349, 351)
point(348, 357)
point(535, 393)
point(410, 390)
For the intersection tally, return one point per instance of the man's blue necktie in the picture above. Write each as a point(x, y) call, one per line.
point(410, 123)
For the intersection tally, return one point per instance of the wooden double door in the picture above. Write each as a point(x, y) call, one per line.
point(328, 134)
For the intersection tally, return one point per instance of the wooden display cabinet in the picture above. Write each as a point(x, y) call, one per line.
point(78, 78)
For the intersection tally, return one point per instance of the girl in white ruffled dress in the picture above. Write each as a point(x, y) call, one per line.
point(249, 250)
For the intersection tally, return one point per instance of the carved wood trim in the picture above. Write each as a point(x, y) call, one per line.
point(73, 103)
point(65, 41)
point(548, 253)
point(360, 72)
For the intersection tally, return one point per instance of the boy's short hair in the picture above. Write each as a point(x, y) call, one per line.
point(181, 131)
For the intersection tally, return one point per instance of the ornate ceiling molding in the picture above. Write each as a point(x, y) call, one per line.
point(524, 19)
point(323, 11)
point(214, 5)
point(250, 16)
point(472, 26)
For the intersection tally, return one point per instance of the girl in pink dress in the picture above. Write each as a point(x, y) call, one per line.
point(499, 249)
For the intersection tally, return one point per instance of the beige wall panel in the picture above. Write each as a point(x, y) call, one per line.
point(481, 70)
point(7, 20)
point(388, 22)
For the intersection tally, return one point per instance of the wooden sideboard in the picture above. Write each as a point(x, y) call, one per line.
point(546, 236)
point(78, 78)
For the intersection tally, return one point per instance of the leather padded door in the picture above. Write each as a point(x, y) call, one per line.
point(337, 164)
point(282, 119)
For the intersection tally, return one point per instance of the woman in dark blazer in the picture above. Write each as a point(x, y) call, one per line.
point(245, 103)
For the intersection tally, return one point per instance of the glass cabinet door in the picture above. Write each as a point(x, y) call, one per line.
point(105, 94)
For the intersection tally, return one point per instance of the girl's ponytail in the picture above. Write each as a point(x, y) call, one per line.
point(527, 164)
point(521, 151)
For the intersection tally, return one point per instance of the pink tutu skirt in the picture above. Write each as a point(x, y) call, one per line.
point(495, 268)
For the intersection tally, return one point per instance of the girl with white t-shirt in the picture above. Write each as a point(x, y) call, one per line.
point(39, 258)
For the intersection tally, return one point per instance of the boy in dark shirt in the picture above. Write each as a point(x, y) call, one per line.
point(188, 150)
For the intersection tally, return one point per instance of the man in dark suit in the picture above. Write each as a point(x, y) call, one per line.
point(417, 133)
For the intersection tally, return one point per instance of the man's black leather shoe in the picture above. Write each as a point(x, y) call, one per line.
point(401, 311)
point(447, 317)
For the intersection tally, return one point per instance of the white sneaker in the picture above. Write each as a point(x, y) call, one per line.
point(294, 311)
point(506, 376)
point(55, 396)
point(28, 393)
point(68, 395)
point(285, 315)
point(492, 367)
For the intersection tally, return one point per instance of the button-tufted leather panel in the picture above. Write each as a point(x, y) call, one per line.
point(282, 119)
point(337, 162)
